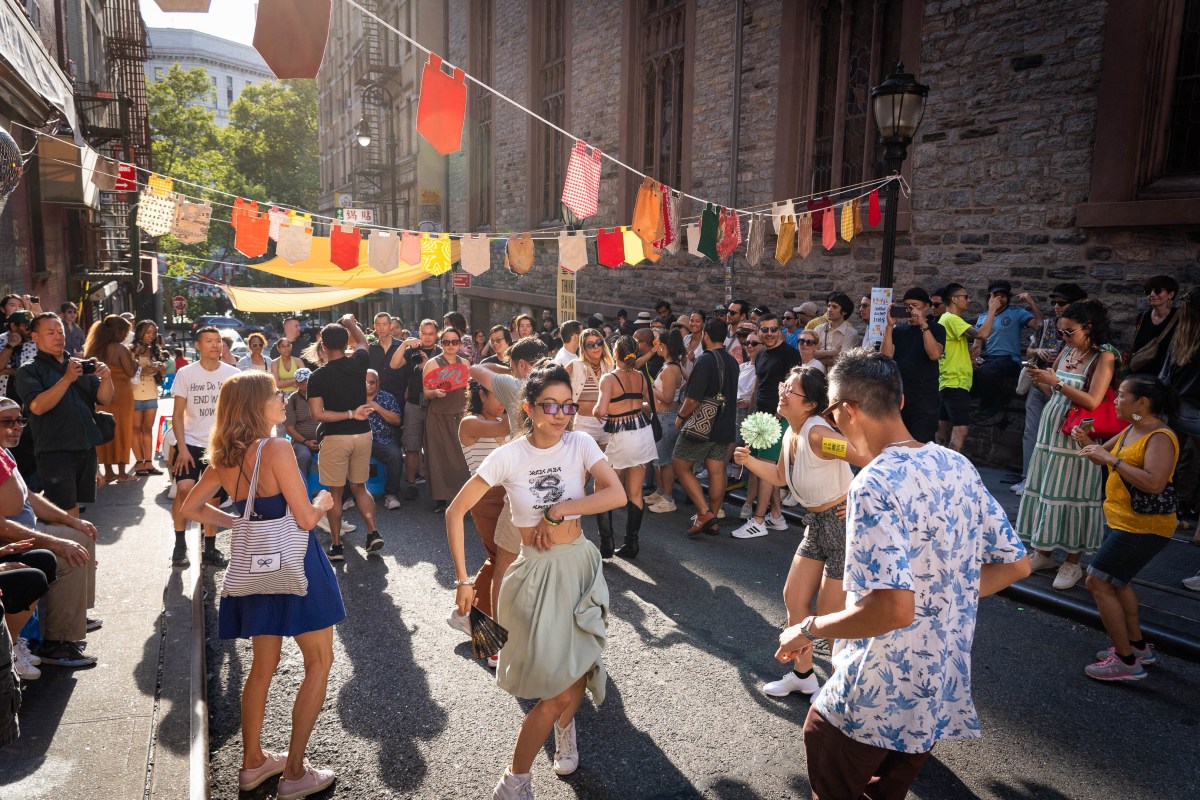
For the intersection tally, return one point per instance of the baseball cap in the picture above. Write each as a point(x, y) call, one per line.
point(919, 294)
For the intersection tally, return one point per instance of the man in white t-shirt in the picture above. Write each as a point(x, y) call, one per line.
point(569, 333)
point(195, 390)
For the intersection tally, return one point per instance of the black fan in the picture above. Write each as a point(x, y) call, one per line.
point(487, 637)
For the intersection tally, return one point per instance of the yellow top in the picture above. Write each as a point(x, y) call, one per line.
point(1117, 508)
point(287, 374)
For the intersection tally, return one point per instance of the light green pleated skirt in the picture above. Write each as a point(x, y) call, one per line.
point(554, 605)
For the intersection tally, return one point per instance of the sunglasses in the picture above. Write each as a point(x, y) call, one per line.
point(1070, 332)
point(1059, 303)
point(552, 409)
point(808, 342)
point(1156, 291)
point(593, 345)
point(827, 414)
point(788, 316)
point(15, 422)
point(451, 342)
point(769, 329)
point(750, 343)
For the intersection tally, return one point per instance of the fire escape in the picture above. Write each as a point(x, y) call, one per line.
point(373, 73)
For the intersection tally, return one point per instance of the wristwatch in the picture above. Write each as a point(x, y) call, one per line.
point(804, 627)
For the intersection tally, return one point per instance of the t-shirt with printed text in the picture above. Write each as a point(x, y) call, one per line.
point(199, 389)
point(537, 478)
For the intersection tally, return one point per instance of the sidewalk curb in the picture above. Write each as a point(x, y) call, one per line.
point(198, 751)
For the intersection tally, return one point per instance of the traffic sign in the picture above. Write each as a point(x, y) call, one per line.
point(126, 178)
point(180, 303)
point(461, 280)
point(365, 216)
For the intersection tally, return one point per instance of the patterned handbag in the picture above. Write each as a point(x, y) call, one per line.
point(699, 426)
point(267, 554)
point(1143, 502)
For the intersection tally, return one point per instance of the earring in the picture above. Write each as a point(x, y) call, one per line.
point(1136, 417)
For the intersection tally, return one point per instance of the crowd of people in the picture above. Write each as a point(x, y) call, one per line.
point(537, 428)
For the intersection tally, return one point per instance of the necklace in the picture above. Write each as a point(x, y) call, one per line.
point(902, 441)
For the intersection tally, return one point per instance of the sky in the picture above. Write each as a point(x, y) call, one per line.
point(228, 19)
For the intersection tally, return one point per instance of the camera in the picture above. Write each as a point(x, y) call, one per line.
point(88, 365)
point(33, 298)
point(900, 311)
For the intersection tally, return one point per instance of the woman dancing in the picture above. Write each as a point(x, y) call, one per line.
point(554, 601)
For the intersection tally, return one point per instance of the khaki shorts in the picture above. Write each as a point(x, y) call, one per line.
point(508, 535)
point(345, 458)
point(413, 434)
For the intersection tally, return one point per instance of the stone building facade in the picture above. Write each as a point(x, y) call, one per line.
point(1027, 165)
point(231, 66)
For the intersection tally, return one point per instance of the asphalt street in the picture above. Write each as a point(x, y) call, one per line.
point(692, 630)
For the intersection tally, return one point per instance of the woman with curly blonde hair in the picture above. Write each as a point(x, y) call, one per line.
point(106, 342)
point(247, 408)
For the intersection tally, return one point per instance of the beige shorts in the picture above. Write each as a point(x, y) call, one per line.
point(345, 458)
point(508, 535)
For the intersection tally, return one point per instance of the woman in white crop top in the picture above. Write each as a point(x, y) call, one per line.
point(554, 601)
point(814, 463)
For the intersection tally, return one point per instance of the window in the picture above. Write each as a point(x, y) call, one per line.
point(158, 74)
point(229, 90)
point(548, 150)
point(480, 187)
point(1146, 164)
point(662, 73)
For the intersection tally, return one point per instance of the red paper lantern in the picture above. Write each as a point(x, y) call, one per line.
point(290, 36)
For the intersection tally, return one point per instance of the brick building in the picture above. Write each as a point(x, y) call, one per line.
point(1051, 149)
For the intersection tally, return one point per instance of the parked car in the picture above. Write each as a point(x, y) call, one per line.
point(243, 328)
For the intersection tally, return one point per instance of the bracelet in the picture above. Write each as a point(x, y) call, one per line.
point(546, 516)
point(1116, 464)
point(467, 582)
point(925, 329)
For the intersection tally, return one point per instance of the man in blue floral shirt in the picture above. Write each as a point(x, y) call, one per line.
point(385, 413)
point(924, 541)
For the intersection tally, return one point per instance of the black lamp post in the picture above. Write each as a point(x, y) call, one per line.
point(379, 95)
point(899, 105)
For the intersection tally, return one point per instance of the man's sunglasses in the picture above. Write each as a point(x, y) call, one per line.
point(451, 342)
point(769, 329)
point(827, 414)
point(552, 409)
point(15, 422)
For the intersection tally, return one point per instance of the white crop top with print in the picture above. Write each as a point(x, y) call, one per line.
point(537, 478)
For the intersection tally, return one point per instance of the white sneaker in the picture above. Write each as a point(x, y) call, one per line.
point(25, 671)
point(792, 683)
point(566, 754)
point(751, 530)
point(390, 502)
point(1068, 575)
point(1193, 582)
point(513, 787)
point(227, 502)
point(461, 622)
point(1018, 488)
point(747, 510)
point(1039, 562)
point(790, 500)
point(171, 489)
point(23, 647)
point(348, 527)
point(651, 499)
point(323, 524)
point(776, 523)
point(702, 474)
point(663, 506)
point(347, 504)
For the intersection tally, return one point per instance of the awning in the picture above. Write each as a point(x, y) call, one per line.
point(284, 301)
point(26, 57)
point(318, 269)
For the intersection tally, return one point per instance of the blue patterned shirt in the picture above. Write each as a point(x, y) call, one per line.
point(918, 519)
point(381, 431)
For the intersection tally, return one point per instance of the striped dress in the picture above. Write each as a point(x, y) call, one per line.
point(1063, 503)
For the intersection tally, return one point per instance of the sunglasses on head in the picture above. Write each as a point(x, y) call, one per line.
point(552, 409)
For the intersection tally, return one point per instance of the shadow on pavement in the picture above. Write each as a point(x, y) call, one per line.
point(43, 705)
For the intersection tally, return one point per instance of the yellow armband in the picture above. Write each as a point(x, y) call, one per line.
point(834, 447)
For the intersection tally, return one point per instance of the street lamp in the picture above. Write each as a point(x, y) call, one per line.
point(379, 95)
point(363, 132)
point(899, 105)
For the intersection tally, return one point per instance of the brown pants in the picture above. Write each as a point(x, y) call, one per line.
point(64, 608)
point(839, 768)
point(485, 513)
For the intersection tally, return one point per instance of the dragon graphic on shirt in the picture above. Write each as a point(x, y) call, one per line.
point(547, 489)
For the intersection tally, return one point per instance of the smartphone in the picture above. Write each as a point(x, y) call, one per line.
point(1087, 424)
point(900, 312)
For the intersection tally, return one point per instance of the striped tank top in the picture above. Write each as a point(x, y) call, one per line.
point(476, 453)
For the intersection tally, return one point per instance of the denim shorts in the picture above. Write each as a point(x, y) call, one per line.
point(145, 405)
point(1123, 555)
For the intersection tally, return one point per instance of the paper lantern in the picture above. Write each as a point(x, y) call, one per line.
point(290, 36)
point(11, 165)
point(199, 6)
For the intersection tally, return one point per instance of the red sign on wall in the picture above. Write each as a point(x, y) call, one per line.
point(461, 280)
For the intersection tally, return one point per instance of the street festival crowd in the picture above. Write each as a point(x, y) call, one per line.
point(531, 426)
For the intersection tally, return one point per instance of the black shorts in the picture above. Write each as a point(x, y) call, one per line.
point(199, 464)
point(954, 407)
point(68, 477)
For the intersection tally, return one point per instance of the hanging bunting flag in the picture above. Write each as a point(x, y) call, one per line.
point(779, 210)
point(198, 6)
point(156, 212)
point(383, 251)
point(804, 235)
point(828, 228)
point(442, 106)
point(435, 253)
point(160, 184)
point(277, 216)
point(756, 234)
point(815, 206)
point(581, 190)
point(851, 220)
point(631, 244)
point(729, 233)
point(670, 222)
point(673, 199)
point(693, 240)
point(874, 215)
point(709, 224)
point(518, 253)
point(410, 249)
point(344, 241)
point(104, 174)
point(651, 253)
point(253, 233)
point(610, 248)
point(290, 36)
point(242, 207)
point(455, 251)
point(476, 258)
point(191, 222)
point(572, 251)
point(295, 242)
point(647, 211)
point(785, 245)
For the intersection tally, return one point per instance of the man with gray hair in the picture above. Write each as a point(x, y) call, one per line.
point(922, 532)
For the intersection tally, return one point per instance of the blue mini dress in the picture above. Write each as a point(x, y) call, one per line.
point(284, 614)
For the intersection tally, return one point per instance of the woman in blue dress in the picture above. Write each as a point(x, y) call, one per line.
point(247, 407)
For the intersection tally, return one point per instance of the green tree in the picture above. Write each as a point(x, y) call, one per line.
point(272, 143)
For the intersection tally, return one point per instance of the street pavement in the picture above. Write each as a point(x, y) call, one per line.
point(692, 630)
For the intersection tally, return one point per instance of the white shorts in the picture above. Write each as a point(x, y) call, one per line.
point(631, 448)
point(593, 428)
